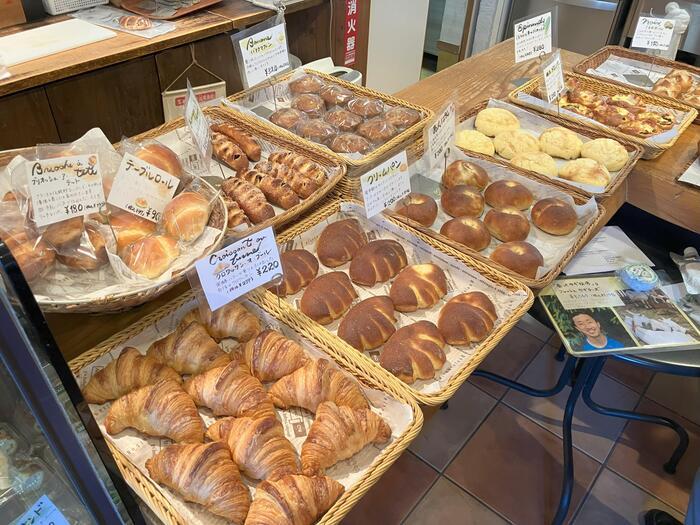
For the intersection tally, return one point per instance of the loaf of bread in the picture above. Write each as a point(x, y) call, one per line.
point(467, 318)
point(129, 228)
point(339, 242)
point(299, 267)
point(228, 152)
point(554, 216)
point(462, 201)
point(418, 286)
point(507, 224)
point(161, 157)
point(414, 352)
point(508, 194)
point(468, 231)
point(250, 198)
point(369, 323)
point(245, 141)
point(418, 207)
point(151, 256)
point(519, 256)
point(377, 262)
point(328, 297)
point(275, 189)
point(186, 216)
point(463, 172)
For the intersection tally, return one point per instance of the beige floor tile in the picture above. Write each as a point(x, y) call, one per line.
point(680, 394)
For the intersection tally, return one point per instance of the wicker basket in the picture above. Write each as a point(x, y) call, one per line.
point(155, 497)
point(650, 149)
point(355, 166)
point(600, 56)
point(349, 356)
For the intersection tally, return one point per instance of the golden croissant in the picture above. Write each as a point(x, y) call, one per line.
point(129, 371)
point(271, 355)
point(163, 409)
point(230, 391)
point(258, 446)
point(189, 349)
point(231, 320)
point(315, 383)
point(293, 500)
point(338, 433)
point(204, 474)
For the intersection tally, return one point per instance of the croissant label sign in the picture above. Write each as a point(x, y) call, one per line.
point(383, 186)
point(239, 268)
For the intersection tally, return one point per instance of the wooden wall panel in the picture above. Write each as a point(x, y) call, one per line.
point(308, 32)
point(26, 120)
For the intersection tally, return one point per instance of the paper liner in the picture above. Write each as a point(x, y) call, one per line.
point(617, 67)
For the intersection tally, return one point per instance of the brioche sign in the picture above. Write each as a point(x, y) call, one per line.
point(533, 37)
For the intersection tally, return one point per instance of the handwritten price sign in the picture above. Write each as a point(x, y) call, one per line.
point(533, 37)
point(653, 33)
point(239, 268)
point(441, 135)
point(198, 125)
point(43, 512)
point(553, 78)
point(264, 54)
point(386, 184)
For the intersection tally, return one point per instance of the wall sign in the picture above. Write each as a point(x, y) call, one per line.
point(533, 37)
point(383, 186)
point(350, 32)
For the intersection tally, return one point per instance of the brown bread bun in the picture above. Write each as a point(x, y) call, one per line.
point(287, 118)
point(402, 117)
point(311, 104)
point(521, 257)
point(377, 130)
point(462, 201)
point(418, 286)
point(468, 231)
point(335, 95)
point(299, 267)
point(151, 256)
point(161, 157)
point(418, 207)
point(186, 216)
point(316, 129)
point(64, 233)
point(350, 143)
point(366, 107)
point(467, 318)
point(507, 224)
point(414, 352)
point(327, 297)
point(463, 172)
point(129, 228)
point(508, 194)
point(369, 323)
point(554, 216)
point(87, 257)
point(343, 119)
point(339, 242)
point(306, 84)
point(377, 262)
point(34, 256)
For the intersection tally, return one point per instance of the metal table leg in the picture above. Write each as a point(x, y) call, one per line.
point(564, 378)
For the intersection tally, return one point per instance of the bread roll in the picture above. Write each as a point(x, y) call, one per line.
point(468, 231)
point(462, 201)
point(334, 95)
point(245, 140)
point(366, 107)
point(287, 118)
point(151, 256)
point(508, 194)
point(130, 228)
point(299, 267)
point(327, 297)
point(186, 216)
point(250, 198)
point(586, 171)
point(467, 318)
point(91, 254)
point(538, 162)
point(275, 189)
point(508, 144)
point(554, 216)
point(473, 140)
point(228, 152)
point(377, 262)
point(401, 117)
point(306, 84)
point(608, 152)
point(161, 157)
point(317, 130)
point(418, 286)
point(560, 142)
point(418, 207)
point(34, 256)
point(369, 323)
point(339, 242)
point(414, 352)
point(309, 103)
point(463, 172)
point(377, 130)
point(519, 256)
point(507, 224)
point(350, 143)
point(492, 121)
point(343, 119)
point(64, 233)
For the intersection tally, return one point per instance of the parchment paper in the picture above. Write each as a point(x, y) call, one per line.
point(627, 70)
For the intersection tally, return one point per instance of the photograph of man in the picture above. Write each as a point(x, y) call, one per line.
point(595, 337)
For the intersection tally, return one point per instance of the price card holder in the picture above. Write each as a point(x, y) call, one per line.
point(440, 136)
point(198, 126)
point(384, 185)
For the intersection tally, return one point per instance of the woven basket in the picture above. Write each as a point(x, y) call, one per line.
point(600, 56)
point(349, 356)
point(155, 498)
point(355, 166)
point(650, 149)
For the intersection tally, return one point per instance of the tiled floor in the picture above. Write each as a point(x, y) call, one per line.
point(495, 456)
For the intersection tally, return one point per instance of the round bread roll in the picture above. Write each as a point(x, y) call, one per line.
point(401, 117)
point(462, 201)
point(418, 207)
point(536, 161)
point(287, 118)
point(90, 255)
point(492, 121)
point(161, 157)
point(317, 130)
point(508, 194)
point(507, 224)
point(560, 142)
point(334, 95)
point(129, 228)
point(151, 256)
point(339, 242)
point(343, 119)
point(377, 130)
point(377, 262)
point(508, 144)
point(327, 297)
point(586, 171)
point(468, 231)
point(473, 140)
point(306, 84)
point(418, 286)
point(369, 323)
point(554, 216)
point(186, 216)
point(610, 153)
point(366, 107)
point(350, 143)
point(463, 172)
point(309, 103)
point(519, 256)
point(467, 318)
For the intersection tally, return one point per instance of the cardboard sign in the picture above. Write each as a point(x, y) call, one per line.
point(65, 187)
point(239, 268)
point(653, 33)
point(553, 77)
point(533, 37)
point(441, 135)
point(43, 512)
point(198, 125)
point(383, 186)
point(142, 188)
point(207, 95)
point(264, 54)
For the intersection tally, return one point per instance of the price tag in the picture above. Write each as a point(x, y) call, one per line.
point(385, 184)
point(142, 188)
point(43, 512)
point(239, 268)
point(198, 125)
point(264, 54)
point(653, 33)
point(553, 78)
point(533, 37)
point(441, 135)
point(65, 187)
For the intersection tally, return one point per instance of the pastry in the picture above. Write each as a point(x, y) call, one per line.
point(585, 171)
point(91, 254)
point(306, 84)
point(414, 352)
point(228, 152)
point(663, 119)
point(299, 267)
point(350, 143)
point(236, 216)
point(250, 198)
point(508, 144)
point(343, 119)
point(666, 87)
point(418, 207)
point(233, 320)
point(628, 101)
point(401, 117)
point(301, 164)
point(161, 157)
point(418, 286)
point(316, 130)
point(507, 224)
point(244, 140)
point(612, 115)
point(463, 172)
point(640, 128)
point(366, 107)
point(339, 242)
point(368, 324)
point(519, 256)
point(135, 22)
point(63, 234)
point(608, 152)
point(492, 121)
point(579, 109)
point(287, 118)
point(295, 179)
point(275, 189)
point(681, 77)
point(129, 228)
point(508, 194)
point(554, 216)
point(560, 142)
point(34, 257)
point(468, 231)
point(585, 97)
point(462, 201)
point(473, 140)
point(327, 297)
point(334, 95)
point(377, 262)
point(270, 356)
point(151, 256)
point(538, 162)
point(467, 318)
point(309, 103)
point(186, 216)
point(377, 130)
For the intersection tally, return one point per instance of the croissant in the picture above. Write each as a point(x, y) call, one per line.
point(293, 500)
point(301, 164)
point(129, 371)
point(275, 189)
point(163, 409)
point(204, 474)
point(339, 433)
point(315, 383)
point(231, 320)
point(271, 356)
point(250, 198)
point(230, 391)
point(258, 446)
point(189, 349)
